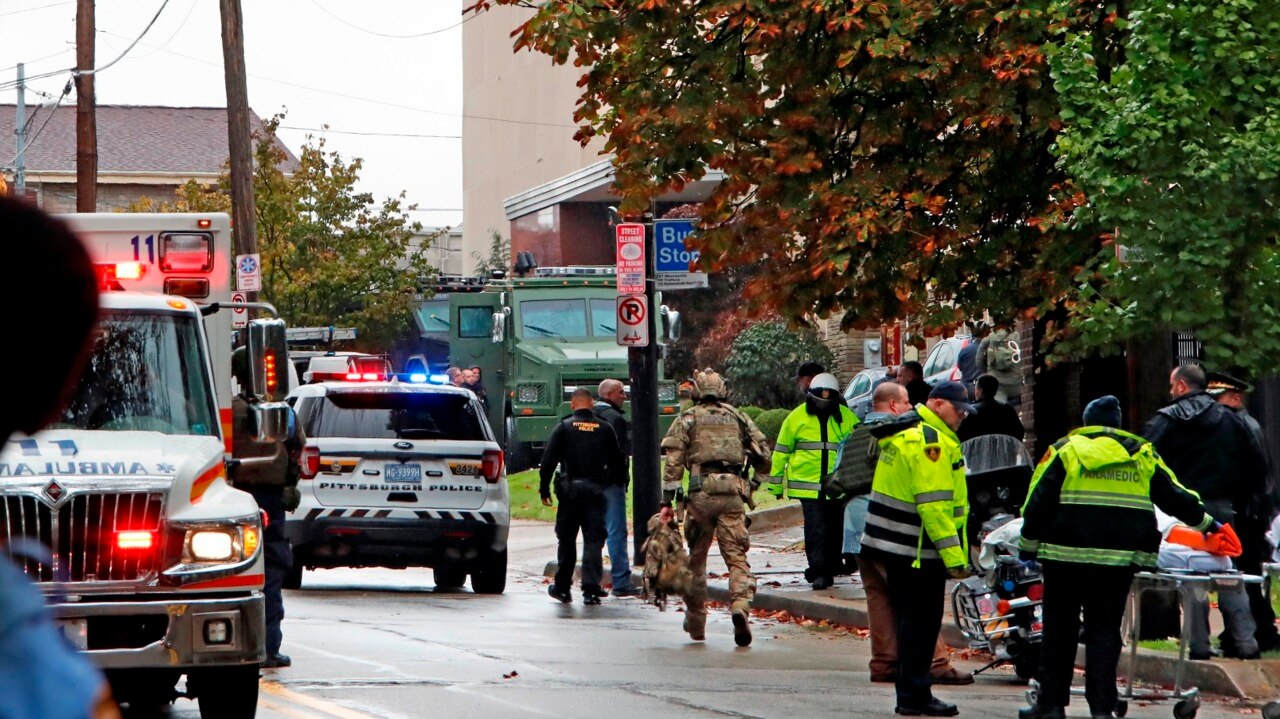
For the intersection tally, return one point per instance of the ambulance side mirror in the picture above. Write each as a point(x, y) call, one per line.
point(269, 379)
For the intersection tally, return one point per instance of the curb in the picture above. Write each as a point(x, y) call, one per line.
point(820, 609)
point(771, 518)
point(1231, 678)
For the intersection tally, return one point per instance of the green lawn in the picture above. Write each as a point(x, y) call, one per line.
point(525, 503)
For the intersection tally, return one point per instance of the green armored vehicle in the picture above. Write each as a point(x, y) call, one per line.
point(538, 338)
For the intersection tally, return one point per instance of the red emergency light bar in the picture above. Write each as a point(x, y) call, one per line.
point(347, 376)
point(110, 274)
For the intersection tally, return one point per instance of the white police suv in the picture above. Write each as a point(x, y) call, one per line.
point(400, 474)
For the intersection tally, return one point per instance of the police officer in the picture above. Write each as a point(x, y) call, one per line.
point(1089, 520)
point(269, 473)
point(915, 529)
point(716, 443)
point(589, 459)
point(806, 451)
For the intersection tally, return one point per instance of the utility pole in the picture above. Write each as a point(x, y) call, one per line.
point(86, 118)
point(20, 129)
point(243, 208)
point(646, 492)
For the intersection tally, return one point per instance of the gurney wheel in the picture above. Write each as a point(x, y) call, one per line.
point(1033, 696)
point(1186, 709)
point(1122, 708)
point(1271, 710)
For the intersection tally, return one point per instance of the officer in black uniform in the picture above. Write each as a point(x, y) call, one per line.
point(589, 458)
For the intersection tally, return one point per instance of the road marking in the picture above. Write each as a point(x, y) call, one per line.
point(320, 705)
point(284, 710)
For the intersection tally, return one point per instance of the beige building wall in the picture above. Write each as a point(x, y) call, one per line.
point(502, 158)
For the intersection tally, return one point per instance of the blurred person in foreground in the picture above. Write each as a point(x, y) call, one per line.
point(41, 675)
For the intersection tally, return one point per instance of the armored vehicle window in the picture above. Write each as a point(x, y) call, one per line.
point(604, 317)
point(474, 321)
point(554, 319)
point(393, 415)
point(147, 373)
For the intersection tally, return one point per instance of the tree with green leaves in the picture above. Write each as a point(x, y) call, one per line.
point(330, 255)
point(498, 257)
point(885, 158)
point(1175, 139)
point(762, 365)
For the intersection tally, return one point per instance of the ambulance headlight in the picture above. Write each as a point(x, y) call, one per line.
point(211, 545)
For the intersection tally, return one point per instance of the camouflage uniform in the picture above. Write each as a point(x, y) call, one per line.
point(715, 442)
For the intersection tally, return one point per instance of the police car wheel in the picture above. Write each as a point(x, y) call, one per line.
point(492, 577)
point(1271, 711)
point(226, 692)
point(449, 578)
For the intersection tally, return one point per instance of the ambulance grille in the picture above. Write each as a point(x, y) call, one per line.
point(81, 534)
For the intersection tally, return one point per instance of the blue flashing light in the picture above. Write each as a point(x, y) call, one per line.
point(418, 378)
point(439, 379)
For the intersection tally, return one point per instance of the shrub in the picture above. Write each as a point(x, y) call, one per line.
point(770, 422)
point(751, 411)
point(762, 365)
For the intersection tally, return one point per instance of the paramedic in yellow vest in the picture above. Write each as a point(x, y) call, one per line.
point(916, 529)
point(806, 451)
point(1089, 520)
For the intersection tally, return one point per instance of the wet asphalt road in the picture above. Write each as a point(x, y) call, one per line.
point(383, 643)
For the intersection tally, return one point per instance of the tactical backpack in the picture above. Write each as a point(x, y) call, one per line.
point(666, 563)
point(1000, 355)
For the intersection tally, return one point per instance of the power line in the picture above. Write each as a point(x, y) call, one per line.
point(370, 133)
point(185, 18)
point(369, 100)
point(145, 30)
point(350, 24)
point(66, 90)
point(7, 84)
point(29, 63)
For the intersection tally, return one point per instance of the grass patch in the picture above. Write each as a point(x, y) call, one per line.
point(526, 504)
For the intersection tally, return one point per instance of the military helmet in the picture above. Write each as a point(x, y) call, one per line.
point(708, 384)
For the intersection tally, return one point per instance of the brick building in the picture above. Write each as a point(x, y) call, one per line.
point(143, 151)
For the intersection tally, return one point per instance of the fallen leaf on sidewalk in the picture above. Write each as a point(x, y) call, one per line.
point(773, 584)
point(512, 675)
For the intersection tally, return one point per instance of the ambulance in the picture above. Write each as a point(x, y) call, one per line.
point(121, 511)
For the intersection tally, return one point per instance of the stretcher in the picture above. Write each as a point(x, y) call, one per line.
point(1189, 586)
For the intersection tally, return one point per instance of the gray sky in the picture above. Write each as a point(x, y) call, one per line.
point(359, 80)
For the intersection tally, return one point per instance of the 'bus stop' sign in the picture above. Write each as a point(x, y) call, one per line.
point(673, 258)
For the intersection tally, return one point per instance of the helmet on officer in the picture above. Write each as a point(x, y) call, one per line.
point(823, 395)
point(708, 384)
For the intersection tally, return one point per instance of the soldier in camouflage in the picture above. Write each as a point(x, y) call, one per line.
point(717, 444)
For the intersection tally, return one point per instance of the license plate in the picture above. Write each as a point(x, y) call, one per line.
point(76, 631)
point(402, 473)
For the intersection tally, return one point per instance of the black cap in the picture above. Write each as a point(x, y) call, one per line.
point(953, 392)
point(1219, 382)
point(810, 369)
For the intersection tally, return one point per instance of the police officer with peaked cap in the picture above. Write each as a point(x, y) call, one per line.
point(589, 458)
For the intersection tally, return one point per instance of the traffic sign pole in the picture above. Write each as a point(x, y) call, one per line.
point(646, 464)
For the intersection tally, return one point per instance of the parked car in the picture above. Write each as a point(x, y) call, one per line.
point(858, 394)
point(400, 474)
point(940, 365)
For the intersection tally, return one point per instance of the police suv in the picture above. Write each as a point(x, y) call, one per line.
point(400, 474)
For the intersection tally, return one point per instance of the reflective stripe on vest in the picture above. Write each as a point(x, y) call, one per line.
point(1106, 499)
point(818, 446)
point(1091, 555)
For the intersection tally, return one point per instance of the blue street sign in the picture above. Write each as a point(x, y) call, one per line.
point(669, 236)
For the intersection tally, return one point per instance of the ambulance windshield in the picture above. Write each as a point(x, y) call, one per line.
point(147, 373)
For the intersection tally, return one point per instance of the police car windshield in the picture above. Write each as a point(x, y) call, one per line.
point(147, 373)
point(392, 415)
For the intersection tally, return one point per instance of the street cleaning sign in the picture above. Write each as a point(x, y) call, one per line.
point(633, 327)
point(630, 237)
point(674, 258)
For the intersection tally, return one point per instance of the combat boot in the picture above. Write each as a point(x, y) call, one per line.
point(697, 629)
point(741, 623)
point(1038, 712)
